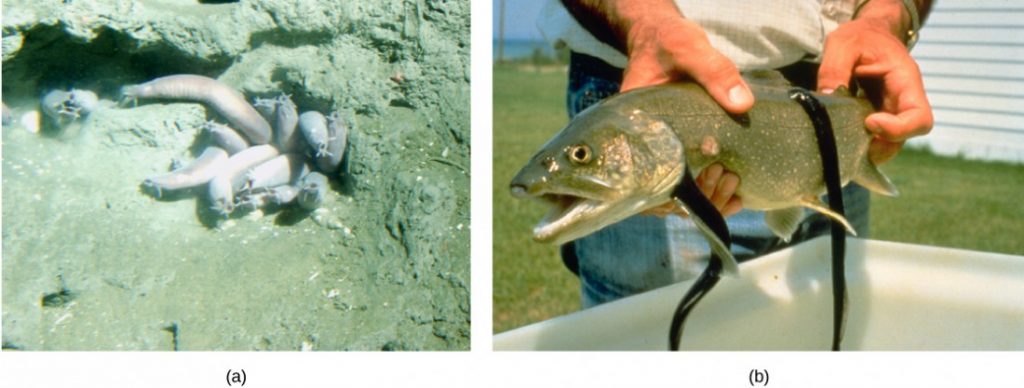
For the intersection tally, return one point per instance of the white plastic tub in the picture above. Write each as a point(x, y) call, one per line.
point(902, 297)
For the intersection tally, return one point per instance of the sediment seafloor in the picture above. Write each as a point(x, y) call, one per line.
point(91, 262)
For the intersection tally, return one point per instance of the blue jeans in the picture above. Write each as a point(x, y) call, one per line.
point(642, 253)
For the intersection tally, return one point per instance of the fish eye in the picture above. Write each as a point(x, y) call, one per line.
point(579, 153)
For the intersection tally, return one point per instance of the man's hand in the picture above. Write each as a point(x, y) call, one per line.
point(663, 48)
point(868, 49)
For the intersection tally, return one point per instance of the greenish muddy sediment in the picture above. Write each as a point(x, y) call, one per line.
point(90, 262)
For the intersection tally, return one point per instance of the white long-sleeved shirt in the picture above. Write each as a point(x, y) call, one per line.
point(754, 34)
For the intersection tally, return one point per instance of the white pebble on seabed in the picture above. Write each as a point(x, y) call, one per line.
point(30, 120)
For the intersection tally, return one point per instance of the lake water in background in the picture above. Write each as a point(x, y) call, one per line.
point(515, 49)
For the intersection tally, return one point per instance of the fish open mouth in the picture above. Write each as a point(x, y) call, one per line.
point(565, 211)
point(574, 211)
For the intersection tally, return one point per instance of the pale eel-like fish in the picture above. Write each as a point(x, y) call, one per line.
point(223, 99)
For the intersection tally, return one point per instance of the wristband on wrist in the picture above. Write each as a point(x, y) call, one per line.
point(910, 37)
point(915, 23)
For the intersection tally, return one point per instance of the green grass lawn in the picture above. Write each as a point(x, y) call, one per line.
point(944, 201)
point(530, 282)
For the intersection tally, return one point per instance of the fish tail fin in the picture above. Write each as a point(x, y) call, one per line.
point(872, 179)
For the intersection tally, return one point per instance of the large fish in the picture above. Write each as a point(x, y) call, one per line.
point(627, 153)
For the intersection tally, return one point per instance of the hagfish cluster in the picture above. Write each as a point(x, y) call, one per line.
point(251, 163)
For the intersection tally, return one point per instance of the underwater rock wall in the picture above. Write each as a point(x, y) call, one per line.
point(355, 55)
point(385, 263)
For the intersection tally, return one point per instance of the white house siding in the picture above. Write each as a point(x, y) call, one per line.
point(971, 54)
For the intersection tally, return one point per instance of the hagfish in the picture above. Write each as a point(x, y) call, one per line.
point(327, 137)
point(225, 137)
point(337, 136)
point(200, 171)
point(313, 125)
point(266, 107)
point(281, 170)
point(283, 194)
point(231, 176)
point(277, 195)
point(64, 107)
point(286, 120)
point(312, 189)
point(220, 97)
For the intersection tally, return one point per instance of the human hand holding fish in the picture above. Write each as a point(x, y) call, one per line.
point(870, 47)
point(662, 45)
point(668, 48)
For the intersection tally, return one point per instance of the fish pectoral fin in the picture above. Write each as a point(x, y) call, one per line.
point(729, 263)
point(784, 222)
point(814, 203)
point(872, 179)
